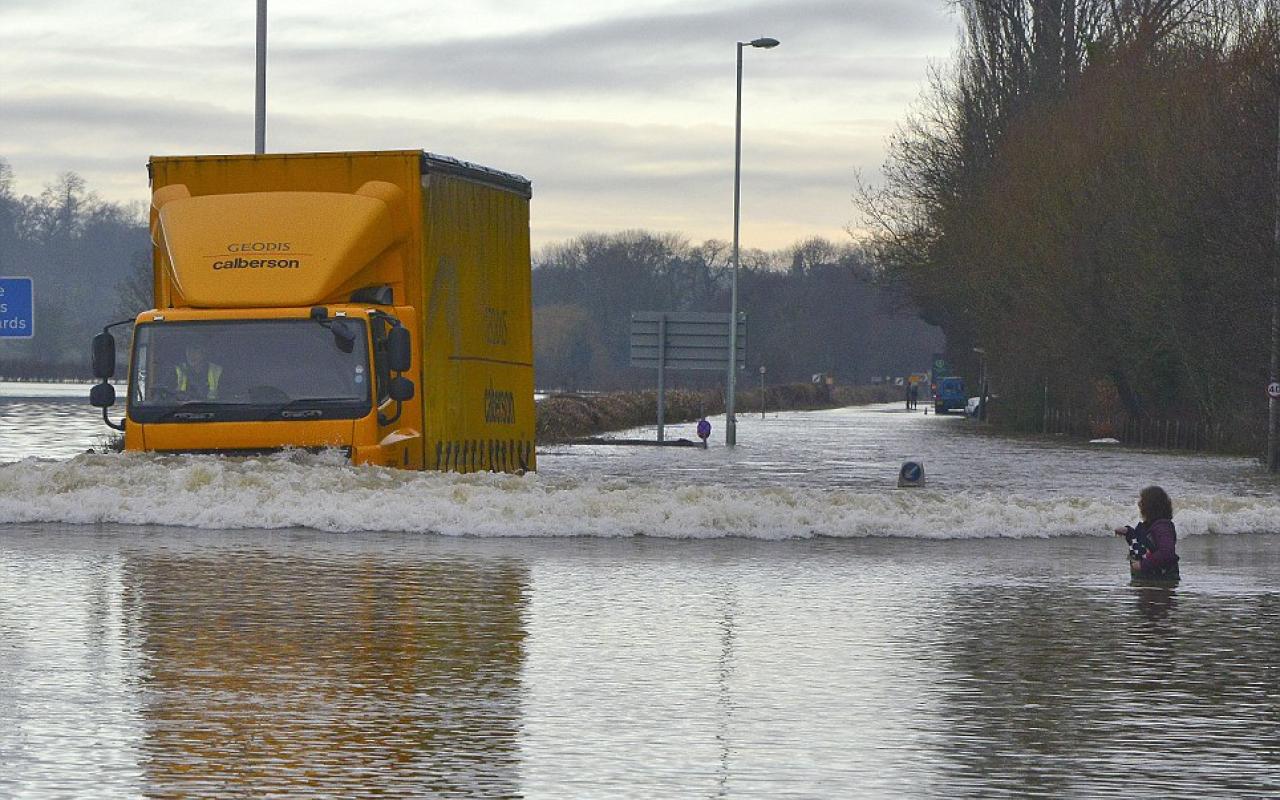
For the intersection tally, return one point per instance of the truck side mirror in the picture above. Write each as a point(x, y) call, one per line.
point(102, 395)
point(398, 353)
point(104, 357)
point(344, 334)
point(400, 389)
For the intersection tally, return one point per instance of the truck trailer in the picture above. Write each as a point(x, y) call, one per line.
point(375, 302)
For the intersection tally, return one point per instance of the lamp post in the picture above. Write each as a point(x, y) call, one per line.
point(762, 372)
point(260, 84)
point(1273, 402)
point(730, 422)
point(982, 389)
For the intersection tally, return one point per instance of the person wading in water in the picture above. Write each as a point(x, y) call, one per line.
point(1153, 541)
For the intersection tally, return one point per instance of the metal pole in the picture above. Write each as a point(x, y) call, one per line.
point(730, 423)
point(762, 393)
point(1273, 405)
point(1044, 426)
point(260, 95)
point(662, 377)
point(982, 403)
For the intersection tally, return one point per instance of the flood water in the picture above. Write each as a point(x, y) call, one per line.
point(772, 621)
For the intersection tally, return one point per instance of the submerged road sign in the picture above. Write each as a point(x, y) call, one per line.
point(685, 340)
point(17, 312)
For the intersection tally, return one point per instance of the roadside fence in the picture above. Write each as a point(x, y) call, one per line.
point(1146, 431)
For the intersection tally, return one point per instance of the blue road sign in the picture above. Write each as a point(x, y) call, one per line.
point(17, 309)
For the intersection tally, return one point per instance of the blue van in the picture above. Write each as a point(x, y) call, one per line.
point(949, 394)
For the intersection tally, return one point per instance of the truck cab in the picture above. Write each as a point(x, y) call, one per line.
point(321, 377)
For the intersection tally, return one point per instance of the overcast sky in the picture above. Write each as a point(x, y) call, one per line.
point(619, 111)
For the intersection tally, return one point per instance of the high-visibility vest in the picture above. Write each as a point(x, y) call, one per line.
point(211, 379)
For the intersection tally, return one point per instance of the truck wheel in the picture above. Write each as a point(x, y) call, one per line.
point(940, 408)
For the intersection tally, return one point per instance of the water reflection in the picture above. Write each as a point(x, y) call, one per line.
point(725, 667)
point(1156, 602)
point(266, 676)
point(1080, 693)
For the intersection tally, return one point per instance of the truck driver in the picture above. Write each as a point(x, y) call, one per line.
point(197, 377)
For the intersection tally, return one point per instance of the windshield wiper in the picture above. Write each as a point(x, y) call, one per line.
point(196, 410)
point(297, 409)
point(208, 410)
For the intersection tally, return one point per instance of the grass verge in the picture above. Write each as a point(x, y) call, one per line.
point(564, 417)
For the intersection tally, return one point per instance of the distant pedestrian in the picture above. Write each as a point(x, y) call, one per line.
point(908, 397)
point(1153, 541)
point(914, 397)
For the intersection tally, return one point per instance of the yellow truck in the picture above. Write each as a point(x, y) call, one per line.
point(375, 302)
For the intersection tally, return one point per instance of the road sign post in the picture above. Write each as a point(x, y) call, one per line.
point(662, 377)
point(665, 340)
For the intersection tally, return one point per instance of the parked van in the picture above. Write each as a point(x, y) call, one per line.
point(949, 395)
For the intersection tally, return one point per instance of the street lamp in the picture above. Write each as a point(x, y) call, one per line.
point(260, 84)
point(982, 388)
point(731, 423)
point(762, 372)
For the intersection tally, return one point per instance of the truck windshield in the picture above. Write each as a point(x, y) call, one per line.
point(248, 370)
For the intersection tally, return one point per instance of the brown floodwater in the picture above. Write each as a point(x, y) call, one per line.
point(772, 621)
point(161, 662)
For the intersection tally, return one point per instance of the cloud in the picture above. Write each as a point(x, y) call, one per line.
point(651, 54)
point(97, 122)
point(621, 113)
point(587, 175)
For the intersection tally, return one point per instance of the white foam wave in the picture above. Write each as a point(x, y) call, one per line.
point(322, 492)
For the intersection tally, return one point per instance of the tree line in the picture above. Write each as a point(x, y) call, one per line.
point(814, 307)
point(1087, 193)
point(81, 253)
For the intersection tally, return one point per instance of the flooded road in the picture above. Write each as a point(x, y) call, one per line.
point(48, 420)
point(775, 621)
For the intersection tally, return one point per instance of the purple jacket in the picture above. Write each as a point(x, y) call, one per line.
point(1163, 555)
